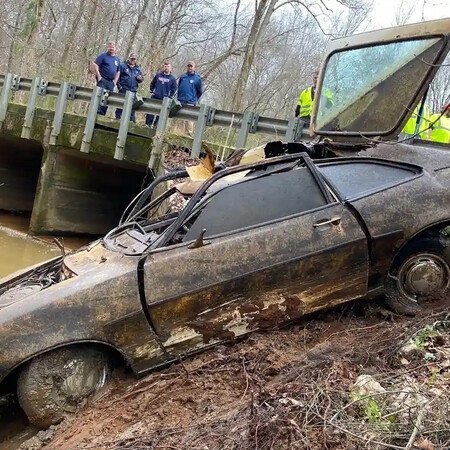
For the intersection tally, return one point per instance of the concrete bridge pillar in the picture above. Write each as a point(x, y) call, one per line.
point(67, 191)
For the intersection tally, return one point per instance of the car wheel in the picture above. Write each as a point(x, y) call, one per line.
point(422, 273)
point(58, 382)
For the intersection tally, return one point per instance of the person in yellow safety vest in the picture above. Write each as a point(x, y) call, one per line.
point(441, 129)
point(306, 99)
point(424, 124)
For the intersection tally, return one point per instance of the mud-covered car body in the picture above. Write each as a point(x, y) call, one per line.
point(256, 245)
point(183, 294)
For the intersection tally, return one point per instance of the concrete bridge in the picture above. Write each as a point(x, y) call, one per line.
point(75, 173)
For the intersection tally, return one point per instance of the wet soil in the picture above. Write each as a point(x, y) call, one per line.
point(275, 389)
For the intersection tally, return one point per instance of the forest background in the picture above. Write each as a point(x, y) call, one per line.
point(255, 55)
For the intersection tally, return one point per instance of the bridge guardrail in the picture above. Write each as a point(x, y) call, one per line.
point(204, 115)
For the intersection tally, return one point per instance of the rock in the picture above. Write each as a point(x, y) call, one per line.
point(436, 392)
point(366, 384)
point(411, 401)
point(404, 361)
point(290, 401)
point(45, 436)
point(31, 444)
point(409, 350)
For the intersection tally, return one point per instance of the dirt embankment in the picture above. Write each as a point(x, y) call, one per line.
point(291, 388)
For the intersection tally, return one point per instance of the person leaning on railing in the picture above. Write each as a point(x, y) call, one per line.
point(106, 69)
point(190, 90)
point(130, 77)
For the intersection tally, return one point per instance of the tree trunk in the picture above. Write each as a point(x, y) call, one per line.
point(137, 35)
point(87, 39)
point(12, 45)
point(72, 33)
point(262, 17)
point(33, 12)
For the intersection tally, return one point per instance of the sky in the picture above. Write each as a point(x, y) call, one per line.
point(383, 11)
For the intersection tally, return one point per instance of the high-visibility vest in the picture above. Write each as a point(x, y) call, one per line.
point(441, 129)
point(410, 127)
point(305, 101)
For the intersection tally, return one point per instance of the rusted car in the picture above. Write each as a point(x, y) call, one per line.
point(256, 245)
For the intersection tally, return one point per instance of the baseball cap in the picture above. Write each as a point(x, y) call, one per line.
point(191, 63)
point(132, 56)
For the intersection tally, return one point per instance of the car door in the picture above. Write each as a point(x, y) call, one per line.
point(275, 248)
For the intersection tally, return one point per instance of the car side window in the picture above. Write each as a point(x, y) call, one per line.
point(354, 179)
point(256, 201)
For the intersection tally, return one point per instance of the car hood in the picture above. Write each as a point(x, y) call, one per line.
point(370, 83)
point(31, 280)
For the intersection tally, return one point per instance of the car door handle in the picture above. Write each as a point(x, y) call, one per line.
point(332, 221)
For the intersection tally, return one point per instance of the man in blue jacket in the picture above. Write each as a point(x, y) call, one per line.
point(190, 90)
point(106, 69)
point(164, 84)
point(130, 77)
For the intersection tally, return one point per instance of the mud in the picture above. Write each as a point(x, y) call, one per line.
point(253, 394)
point(55, 379)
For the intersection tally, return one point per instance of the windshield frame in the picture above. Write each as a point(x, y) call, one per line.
point(425, 30)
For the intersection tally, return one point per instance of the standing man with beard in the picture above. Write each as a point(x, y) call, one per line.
point(106, 68)
point(164, 84)
point(130, 78)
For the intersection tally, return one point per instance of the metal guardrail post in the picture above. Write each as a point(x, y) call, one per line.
point(60, 109)
point(204, 117)
point(91, 118)
point(31, 108)
point(155, 157)
point(124, 125)
point(5, 97)
point(248, 125)
point(294, 130)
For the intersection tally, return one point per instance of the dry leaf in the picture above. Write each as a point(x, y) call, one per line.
point(424, 444)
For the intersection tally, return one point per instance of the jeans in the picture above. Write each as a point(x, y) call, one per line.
point(150, 119)
point(119, 110)
point(105, 84)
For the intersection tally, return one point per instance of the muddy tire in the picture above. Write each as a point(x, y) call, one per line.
point(59, 382)
point(421, 274)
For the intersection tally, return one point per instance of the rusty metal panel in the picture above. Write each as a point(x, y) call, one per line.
point(100, 304)
point(255, 279)
point(396, 214)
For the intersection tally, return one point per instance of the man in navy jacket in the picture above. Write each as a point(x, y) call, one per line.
point(190, 90)
point(130, 77)
point(106, 69)
point(164, 84)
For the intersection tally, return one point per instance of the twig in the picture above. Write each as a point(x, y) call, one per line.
point(415, 430)
point(246, 378)
point(183, 366)
point(368, 441)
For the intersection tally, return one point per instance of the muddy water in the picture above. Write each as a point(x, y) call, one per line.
point(17, 251)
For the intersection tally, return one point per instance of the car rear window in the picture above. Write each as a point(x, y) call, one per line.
point(354, 179)
point(257, 201)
